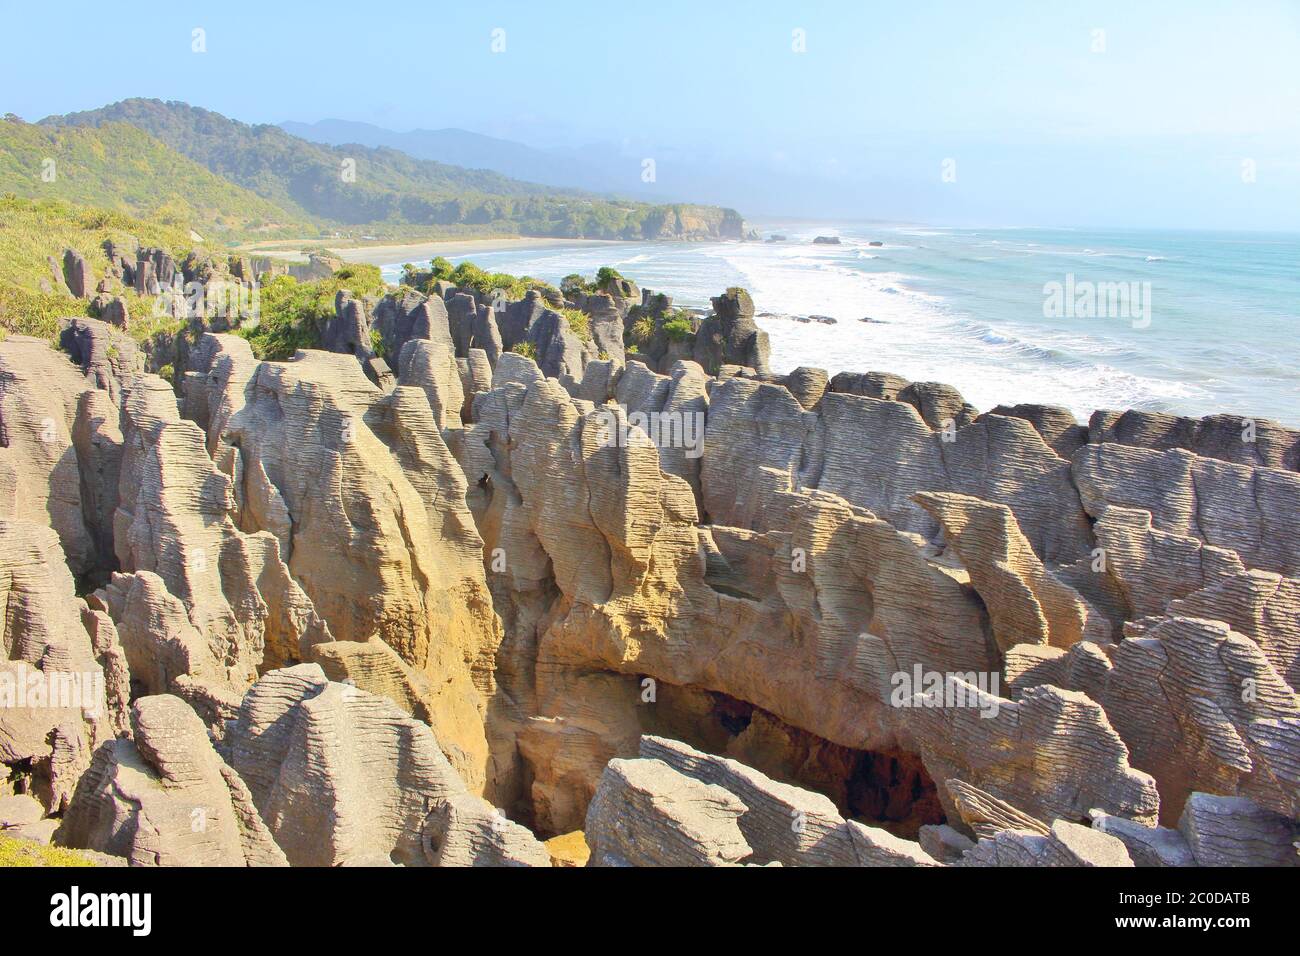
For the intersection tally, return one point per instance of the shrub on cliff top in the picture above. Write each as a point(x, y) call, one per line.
point(679, 328)
point(579, 322)
point(293, 314)
point(469, 276)
point(606, 277)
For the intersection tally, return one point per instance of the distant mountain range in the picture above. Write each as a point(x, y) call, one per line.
point(464, 148)
point(376, 189)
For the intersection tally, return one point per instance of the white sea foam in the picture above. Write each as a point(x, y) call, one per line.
point(966, 309)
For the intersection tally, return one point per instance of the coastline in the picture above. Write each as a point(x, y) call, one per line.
point(386, 253)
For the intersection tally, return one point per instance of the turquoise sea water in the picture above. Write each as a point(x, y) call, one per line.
point(967, 307)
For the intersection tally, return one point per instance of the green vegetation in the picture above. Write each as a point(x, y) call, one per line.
point(606, 277)
point(575, 283)
point(579, 322)
point(168, 374)
point(31, 231)
point(679, 328)
point(292, 314)
point(382, 190)
point(677, 325)
point(469, 276)
point(605, 281)
point(15, 852)
point(123, 169)
point(641, 331)
point(526, 349)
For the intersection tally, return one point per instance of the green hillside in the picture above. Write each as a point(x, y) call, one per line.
point(120, 167)
point(354, 186)
point(32, 230)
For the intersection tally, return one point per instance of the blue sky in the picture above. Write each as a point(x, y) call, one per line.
point(1044, 128)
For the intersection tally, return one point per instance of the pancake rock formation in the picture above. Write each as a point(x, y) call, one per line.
point(577, 578)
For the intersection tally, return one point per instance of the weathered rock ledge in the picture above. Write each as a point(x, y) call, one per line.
point(435, 613)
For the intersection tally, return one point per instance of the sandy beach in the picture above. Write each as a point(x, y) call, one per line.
point(416, 252)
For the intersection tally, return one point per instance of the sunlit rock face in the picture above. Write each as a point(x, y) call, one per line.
point(517, 583)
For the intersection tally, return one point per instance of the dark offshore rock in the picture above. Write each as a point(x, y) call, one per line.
point(729, 335)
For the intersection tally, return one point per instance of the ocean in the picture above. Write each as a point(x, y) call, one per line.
point(1184, 322)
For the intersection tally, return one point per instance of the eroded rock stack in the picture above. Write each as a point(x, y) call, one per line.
point(509, 582)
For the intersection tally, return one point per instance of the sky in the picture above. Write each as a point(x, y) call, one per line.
point(1155, 114)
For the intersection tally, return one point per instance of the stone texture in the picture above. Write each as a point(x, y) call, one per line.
point(165, 798)
point(342, 776)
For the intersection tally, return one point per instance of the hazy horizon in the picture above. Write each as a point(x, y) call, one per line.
point(1174, 116)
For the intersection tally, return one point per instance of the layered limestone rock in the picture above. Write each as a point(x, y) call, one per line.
point(645, 813)
point(165, 798)
point(785, 824)
point(40, 477)
point(1252, 511)
point(729, 336)
point(368, 506)
point(877, 454)
point(569, 583)
point(1027, 603)
point(1065, 844)
point(62, 673)
point(642, 589)
point(1198, 706)
point(343, 777)
point(1233, 438)
point(197, 595)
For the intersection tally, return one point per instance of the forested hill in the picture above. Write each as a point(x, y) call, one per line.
point(121, 168)
point(359, 186)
